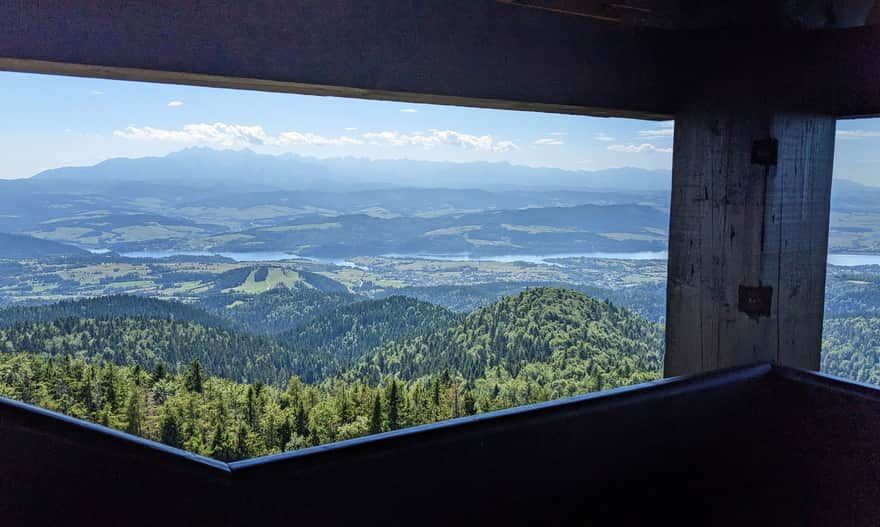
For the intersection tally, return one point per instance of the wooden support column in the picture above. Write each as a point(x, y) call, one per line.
point(748, 239)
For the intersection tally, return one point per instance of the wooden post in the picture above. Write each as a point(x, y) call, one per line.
point(748, 239)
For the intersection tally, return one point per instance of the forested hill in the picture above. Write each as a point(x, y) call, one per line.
point(649, 302)
point(149, 342)
point(128, 330)
point(164, 379)
point(20, 246)
point(851, 348)
point(555, 334)
point(112, 306)
point(277, 310)
point(346, 333)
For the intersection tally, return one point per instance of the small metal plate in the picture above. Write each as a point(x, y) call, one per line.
point(765, 152)
point(755, 301)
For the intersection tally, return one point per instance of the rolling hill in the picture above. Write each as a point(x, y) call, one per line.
point(112, 306)
point(568, 336)
point(277, 310)
point(429, 365)
point(147, 342)
point(547, 230)
point(20, 246)
point(342, 336)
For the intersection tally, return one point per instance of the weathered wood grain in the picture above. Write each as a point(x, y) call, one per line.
point(738, 223)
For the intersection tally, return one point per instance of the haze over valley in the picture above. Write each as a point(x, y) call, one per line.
point(239, 302)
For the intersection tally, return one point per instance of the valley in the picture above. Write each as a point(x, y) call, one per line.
point(330, 299)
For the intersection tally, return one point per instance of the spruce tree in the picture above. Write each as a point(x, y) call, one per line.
point(159, 372)
point(193, 377)
point(169, 432)
point(285, 432)
point(251, 408)
point(393, 407)
point(376, 420)
point(470, 404)
point(134, 412)
point(302, 421)
point(108, 386)
point(241, 446)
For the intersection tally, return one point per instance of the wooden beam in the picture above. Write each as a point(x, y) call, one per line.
point(689, 15)
point(462, 52)
point(243, 83)
point(748, 239)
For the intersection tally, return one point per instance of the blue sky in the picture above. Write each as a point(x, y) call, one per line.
point(51, 121)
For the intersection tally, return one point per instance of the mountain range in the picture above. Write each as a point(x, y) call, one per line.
point(230, 170)
point(208, 200)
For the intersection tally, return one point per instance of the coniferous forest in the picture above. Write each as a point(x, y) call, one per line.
point(236, 303)
point(179, 376)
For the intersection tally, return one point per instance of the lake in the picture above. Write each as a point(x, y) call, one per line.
point(853, 260)
point(256, 256)
point(531, 258)
point(844, 260)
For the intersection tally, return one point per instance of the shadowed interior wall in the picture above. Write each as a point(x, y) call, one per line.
point(468, 52)
point(752, 443)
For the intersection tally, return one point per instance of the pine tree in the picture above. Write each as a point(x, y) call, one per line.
point(470, 404)
point(376, 420)
point(104, 415)
point(285, 432)
point(219, 445)
point(159, 372)
point(108, 386)
point(169, 432)
point(193, 377)
point(435, 394)
point(393, 407)
point(302, 421)
point(134, 412)
point(241, 446)
point(251, 408)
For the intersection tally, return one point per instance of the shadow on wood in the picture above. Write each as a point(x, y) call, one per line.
point(755, 445)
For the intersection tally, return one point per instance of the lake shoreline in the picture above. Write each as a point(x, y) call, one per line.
point(835, 259)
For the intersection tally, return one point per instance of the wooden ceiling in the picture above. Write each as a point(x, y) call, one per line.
point(706, 14)
point(643, 59)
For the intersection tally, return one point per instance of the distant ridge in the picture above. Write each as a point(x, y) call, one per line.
point(201, 166)
point(21, 246)
point(111, 306)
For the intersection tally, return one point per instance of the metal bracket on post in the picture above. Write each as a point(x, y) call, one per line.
point(765, 152)
point(755, 301)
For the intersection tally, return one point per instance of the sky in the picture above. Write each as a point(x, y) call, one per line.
point(51, 121)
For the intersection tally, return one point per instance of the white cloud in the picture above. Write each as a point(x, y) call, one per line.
point(636, 149)
point(548, 141)
point(558, 133)
point(505, 146)
point(175, 104)
point(97, 92)
point(434, 138)
point(409, 110)
point(603, 137)
point(663, 132)
point(350, 129)
point(218, 134)
point(857, 134)
point(299, 138)
point(229, 135)
point(235, 135)
point(664, 129)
